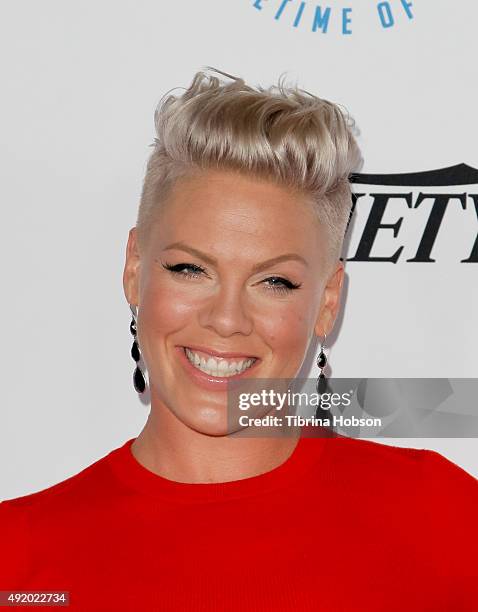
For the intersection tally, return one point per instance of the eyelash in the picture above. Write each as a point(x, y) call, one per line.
point(176, 269)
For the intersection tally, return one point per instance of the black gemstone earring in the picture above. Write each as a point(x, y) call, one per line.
point(321, 363)
point(138, 376)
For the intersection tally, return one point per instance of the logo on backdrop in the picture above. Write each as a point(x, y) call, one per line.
point(335, 15)
point(440, 215)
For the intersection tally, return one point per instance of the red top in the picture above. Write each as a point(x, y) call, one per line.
point(343, 524)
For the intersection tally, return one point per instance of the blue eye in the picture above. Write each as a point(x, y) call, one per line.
point(285, 285)
point(181, 267)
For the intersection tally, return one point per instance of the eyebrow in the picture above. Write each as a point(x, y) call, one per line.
point(180, 246)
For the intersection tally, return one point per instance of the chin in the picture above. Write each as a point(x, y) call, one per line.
point(210, 422)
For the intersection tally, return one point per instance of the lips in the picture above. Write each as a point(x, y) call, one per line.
point(215, 375)
point(208, 352)
point(218, 366)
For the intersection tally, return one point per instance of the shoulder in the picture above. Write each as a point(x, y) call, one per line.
point(90, 482)
point(359, 455)
point(435, 465)
point(44, 520)
point(34, 525)
point(431, 502)
point(427, 488)
point(429, 470)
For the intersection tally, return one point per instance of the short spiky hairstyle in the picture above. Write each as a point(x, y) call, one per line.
point(283, 133)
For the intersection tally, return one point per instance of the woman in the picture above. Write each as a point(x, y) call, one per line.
point(232, 270)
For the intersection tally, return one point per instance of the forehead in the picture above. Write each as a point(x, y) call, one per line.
point(238, 211)
point(228, 193)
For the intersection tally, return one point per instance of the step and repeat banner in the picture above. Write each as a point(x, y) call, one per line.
point(81, 81)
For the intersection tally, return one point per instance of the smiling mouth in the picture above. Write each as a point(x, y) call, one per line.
point(218, 366)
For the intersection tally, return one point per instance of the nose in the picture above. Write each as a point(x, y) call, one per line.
point(227, 311)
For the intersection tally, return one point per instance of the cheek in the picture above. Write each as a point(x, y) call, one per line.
point(165, 308)
point(287, 329)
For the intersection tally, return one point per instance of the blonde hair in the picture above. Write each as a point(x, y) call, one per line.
point(282, 133)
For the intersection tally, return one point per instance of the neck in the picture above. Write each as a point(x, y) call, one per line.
point(168, 447)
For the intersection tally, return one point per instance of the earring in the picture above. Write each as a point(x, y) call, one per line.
point(321, 363)
point(138, 376)
point(322, 383)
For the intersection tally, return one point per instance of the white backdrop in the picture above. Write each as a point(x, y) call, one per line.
point(80, 81)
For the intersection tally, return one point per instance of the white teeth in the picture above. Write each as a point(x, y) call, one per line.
point(218, 367)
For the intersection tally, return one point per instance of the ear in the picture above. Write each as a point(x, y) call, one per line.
point(132, 269)
point(330, 302)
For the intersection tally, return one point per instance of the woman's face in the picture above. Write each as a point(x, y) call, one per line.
point(233, 264)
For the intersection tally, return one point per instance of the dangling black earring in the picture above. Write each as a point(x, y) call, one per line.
point(321, 363)
point(138, 377)
point(322, 382)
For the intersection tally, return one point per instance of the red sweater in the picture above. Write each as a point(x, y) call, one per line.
point(343, 525)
